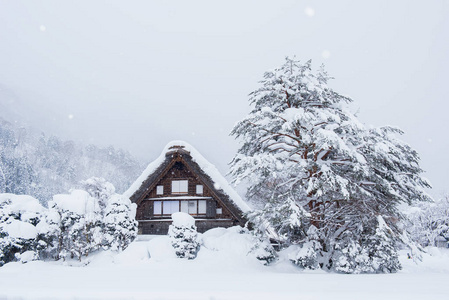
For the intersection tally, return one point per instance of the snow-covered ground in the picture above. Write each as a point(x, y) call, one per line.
point(148, 269)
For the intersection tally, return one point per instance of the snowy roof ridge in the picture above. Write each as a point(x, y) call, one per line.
point(209, 169)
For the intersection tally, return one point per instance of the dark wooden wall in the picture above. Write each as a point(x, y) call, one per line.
point(179, 172)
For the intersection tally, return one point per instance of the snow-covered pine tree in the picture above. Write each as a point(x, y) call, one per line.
point(264, 251)
point(303, 148)
point(183, 235)
point(383, 249)
point(348, 254)
point(120, 226)
point(310, 253)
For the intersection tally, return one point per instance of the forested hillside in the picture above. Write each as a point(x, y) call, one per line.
point(35, 164)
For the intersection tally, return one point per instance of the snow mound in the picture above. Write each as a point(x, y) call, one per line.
point(25, 206)
point(234, 240)
point(181, 219)
point(26, 256)
point(160, 249)
point(77, 201)
point(434, 260)
point(19, 229)
point(135, 253)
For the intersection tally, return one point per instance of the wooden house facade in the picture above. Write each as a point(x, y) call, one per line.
point(182, 180)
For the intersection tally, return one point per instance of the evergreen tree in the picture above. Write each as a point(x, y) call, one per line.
point(383, 249)
point(308, 256)
point(263, 250)
point(349, 257)
point(120, 226)
point(183, 235)
point(310, 162)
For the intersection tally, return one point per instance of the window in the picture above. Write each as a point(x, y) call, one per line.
point(179, 186)
point(157, 208)
point(219, 211)
point(185, 206)
point(160, 190)
point(202, 205)
point(192, 207)
point(199, 189)
point(170, 207)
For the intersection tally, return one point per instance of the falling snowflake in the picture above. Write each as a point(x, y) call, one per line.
point(326, 54)
point(71, 116)
point(42, 28)
point(309, 11)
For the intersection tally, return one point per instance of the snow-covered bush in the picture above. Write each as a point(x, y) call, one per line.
point(19, 215)
point(307, 256)
point(49, 233)
point(309, 253)
point(428, 223)
point(349, 256)
point(79, 216)
point(73, 226)
point(120, 226)
point(263, 250)
point(16, 237)
point(183, 235)
point(92, 219)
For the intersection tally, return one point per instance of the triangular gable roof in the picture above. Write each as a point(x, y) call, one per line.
point(200, 166)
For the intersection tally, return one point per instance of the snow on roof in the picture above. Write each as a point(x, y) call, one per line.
point(219, 181)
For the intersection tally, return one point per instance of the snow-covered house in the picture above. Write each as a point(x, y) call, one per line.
point(181, 179)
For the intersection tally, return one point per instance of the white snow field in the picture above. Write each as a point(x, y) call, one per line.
point(223, 269)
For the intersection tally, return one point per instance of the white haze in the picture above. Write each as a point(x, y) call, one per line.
point(137, 74)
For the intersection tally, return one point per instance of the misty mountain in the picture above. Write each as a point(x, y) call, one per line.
point(25, 108)
point(42, 166)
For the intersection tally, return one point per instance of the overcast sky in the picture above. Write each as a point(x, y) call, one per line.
point(137, 74)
